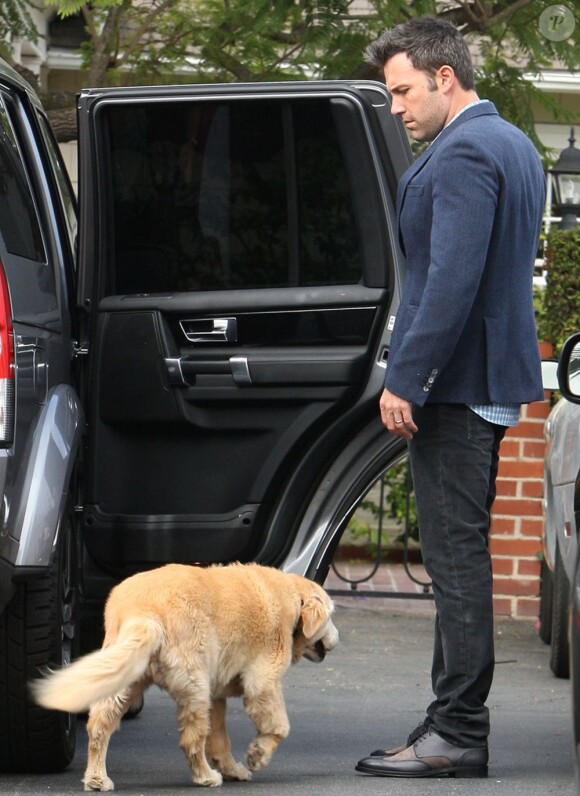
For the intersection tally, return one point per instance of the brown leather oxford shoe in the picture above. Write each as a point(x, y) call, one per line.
point(430, 756)
point(417, 733)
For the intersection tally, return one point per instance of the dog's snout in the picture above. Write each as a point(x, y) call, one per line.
point(320, 650)
point(331, 639)
point(317, 650)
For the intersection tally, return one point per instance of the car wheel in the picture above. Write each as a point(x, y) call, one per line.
point(39, 628)
point(546, 600)
point(92, 633)
point(560, 648)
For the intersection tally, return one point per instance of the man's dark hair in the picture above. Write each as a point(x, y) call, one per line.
point(429, 43)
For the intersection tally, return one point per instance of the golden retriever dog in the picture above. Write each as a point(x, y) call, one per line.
point(203, 635)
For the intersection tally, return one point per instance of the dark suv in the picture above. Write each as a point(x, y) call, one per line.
point(192, 375)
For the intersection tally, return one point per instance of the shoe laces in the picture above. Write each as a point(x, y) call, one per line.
point(421, 729)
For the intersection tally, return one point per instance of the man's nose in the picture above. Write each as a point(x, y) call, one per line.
point(396, 106)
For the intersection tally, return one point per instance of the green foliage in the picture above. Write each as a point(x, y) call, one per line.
point(398, 507)
point(401, 500)
point(15, 20)
point(512, 46)
point(263, 40)
point(540, 312)
point(68, 7)
point(359, 529)
point(560, 315)
point(256, 40)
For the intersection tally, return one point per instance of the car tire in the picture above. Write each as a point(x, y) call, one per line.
point(560, 648)
point(39, 628)
point(546, 601)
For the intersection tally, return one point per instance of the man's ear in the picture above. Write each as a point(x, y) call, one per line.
point(445, 77)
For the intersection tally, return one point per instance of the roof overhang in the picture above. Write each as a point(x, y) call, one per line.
point(557, 81)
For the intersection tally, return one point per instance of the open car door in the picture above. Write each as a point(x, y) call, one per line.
point(239, 276)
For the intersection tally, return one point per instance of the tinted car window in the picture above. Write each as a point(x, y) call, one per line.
point(18, 221)
point(216, 195)
point(67, 198)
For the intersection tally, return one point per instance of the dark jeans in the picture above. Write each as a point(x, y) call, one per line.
point(454, 461)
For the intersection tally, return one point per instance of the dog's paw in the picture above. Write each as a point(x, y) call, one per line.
point(257, 756)
point(213, 779)
point(237, 772)
point(100, 783)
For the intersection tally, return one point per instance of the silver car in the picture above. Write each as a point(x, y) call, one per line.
point(566, 437)
point(562, 465)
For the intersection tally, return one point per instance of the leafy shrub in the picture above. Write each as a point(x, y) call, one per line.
point(397, 513)
point(559, 314)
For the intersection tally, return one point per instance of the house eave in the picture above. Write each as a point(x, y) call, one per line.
point(556, 81)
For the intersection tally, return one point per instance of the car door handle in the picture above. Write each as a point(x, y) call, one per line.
point(182, 371)
point(210, 330)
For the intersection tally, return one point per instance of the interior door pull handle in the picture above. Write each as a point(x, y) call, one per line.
point(174, 372)
point(182, 372)
point(240, 370)
point(210, 330)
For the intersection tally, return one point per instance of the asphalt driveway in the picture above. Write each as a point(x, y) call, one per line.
point(370, 691)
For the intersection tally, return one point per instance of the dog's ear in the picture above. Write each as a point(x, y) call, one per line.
point(314, 615)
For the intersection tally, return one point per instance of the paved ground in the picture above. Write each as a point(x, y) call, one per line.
point(370, 691)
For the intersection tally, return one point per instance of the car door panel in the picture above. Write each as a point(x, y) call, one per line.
point(235, 322)
point(209, 417)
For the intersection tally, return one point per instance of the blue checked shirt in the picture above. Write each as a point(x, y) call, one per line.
point(500, 414)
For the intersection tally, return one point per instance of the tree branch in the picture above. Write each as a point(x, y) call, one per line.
point(132, 45)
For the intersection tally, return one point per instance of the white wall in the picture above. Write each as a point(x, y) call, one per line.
point(69, 153)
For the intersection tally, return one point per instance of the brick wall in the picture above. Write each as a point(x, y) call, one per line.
point(517, 516)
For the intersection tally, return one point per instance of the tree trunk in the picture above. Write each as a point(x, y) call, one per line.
point(104, 46)
point(64, 123)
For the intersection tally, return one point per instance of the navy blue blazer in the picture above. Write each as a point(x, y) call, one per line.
point(470, 210)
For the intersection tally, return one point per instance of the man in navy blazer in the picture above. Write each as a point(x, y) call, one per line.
point(463, 358)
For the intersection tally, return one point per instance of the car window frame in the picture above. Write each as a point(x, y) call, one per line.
point(8, 106)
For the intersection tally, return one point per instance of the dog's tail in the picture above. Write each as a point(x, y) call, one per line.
point(102, 673)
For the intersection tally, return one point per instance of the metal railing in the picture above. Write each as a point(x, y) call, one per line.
point(375, 562)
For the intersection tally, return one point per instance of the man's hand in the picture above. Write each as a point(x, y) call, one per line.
point(396, 415)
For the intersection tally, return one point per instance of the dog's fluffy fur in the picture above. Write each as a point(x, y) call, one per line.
point(203, 635)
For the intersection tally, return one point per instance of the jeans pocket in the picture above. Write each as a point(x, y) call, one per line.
point(479, 430)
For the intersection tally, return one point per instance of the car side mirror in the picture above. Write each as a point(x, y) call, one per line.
point(569, 369)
